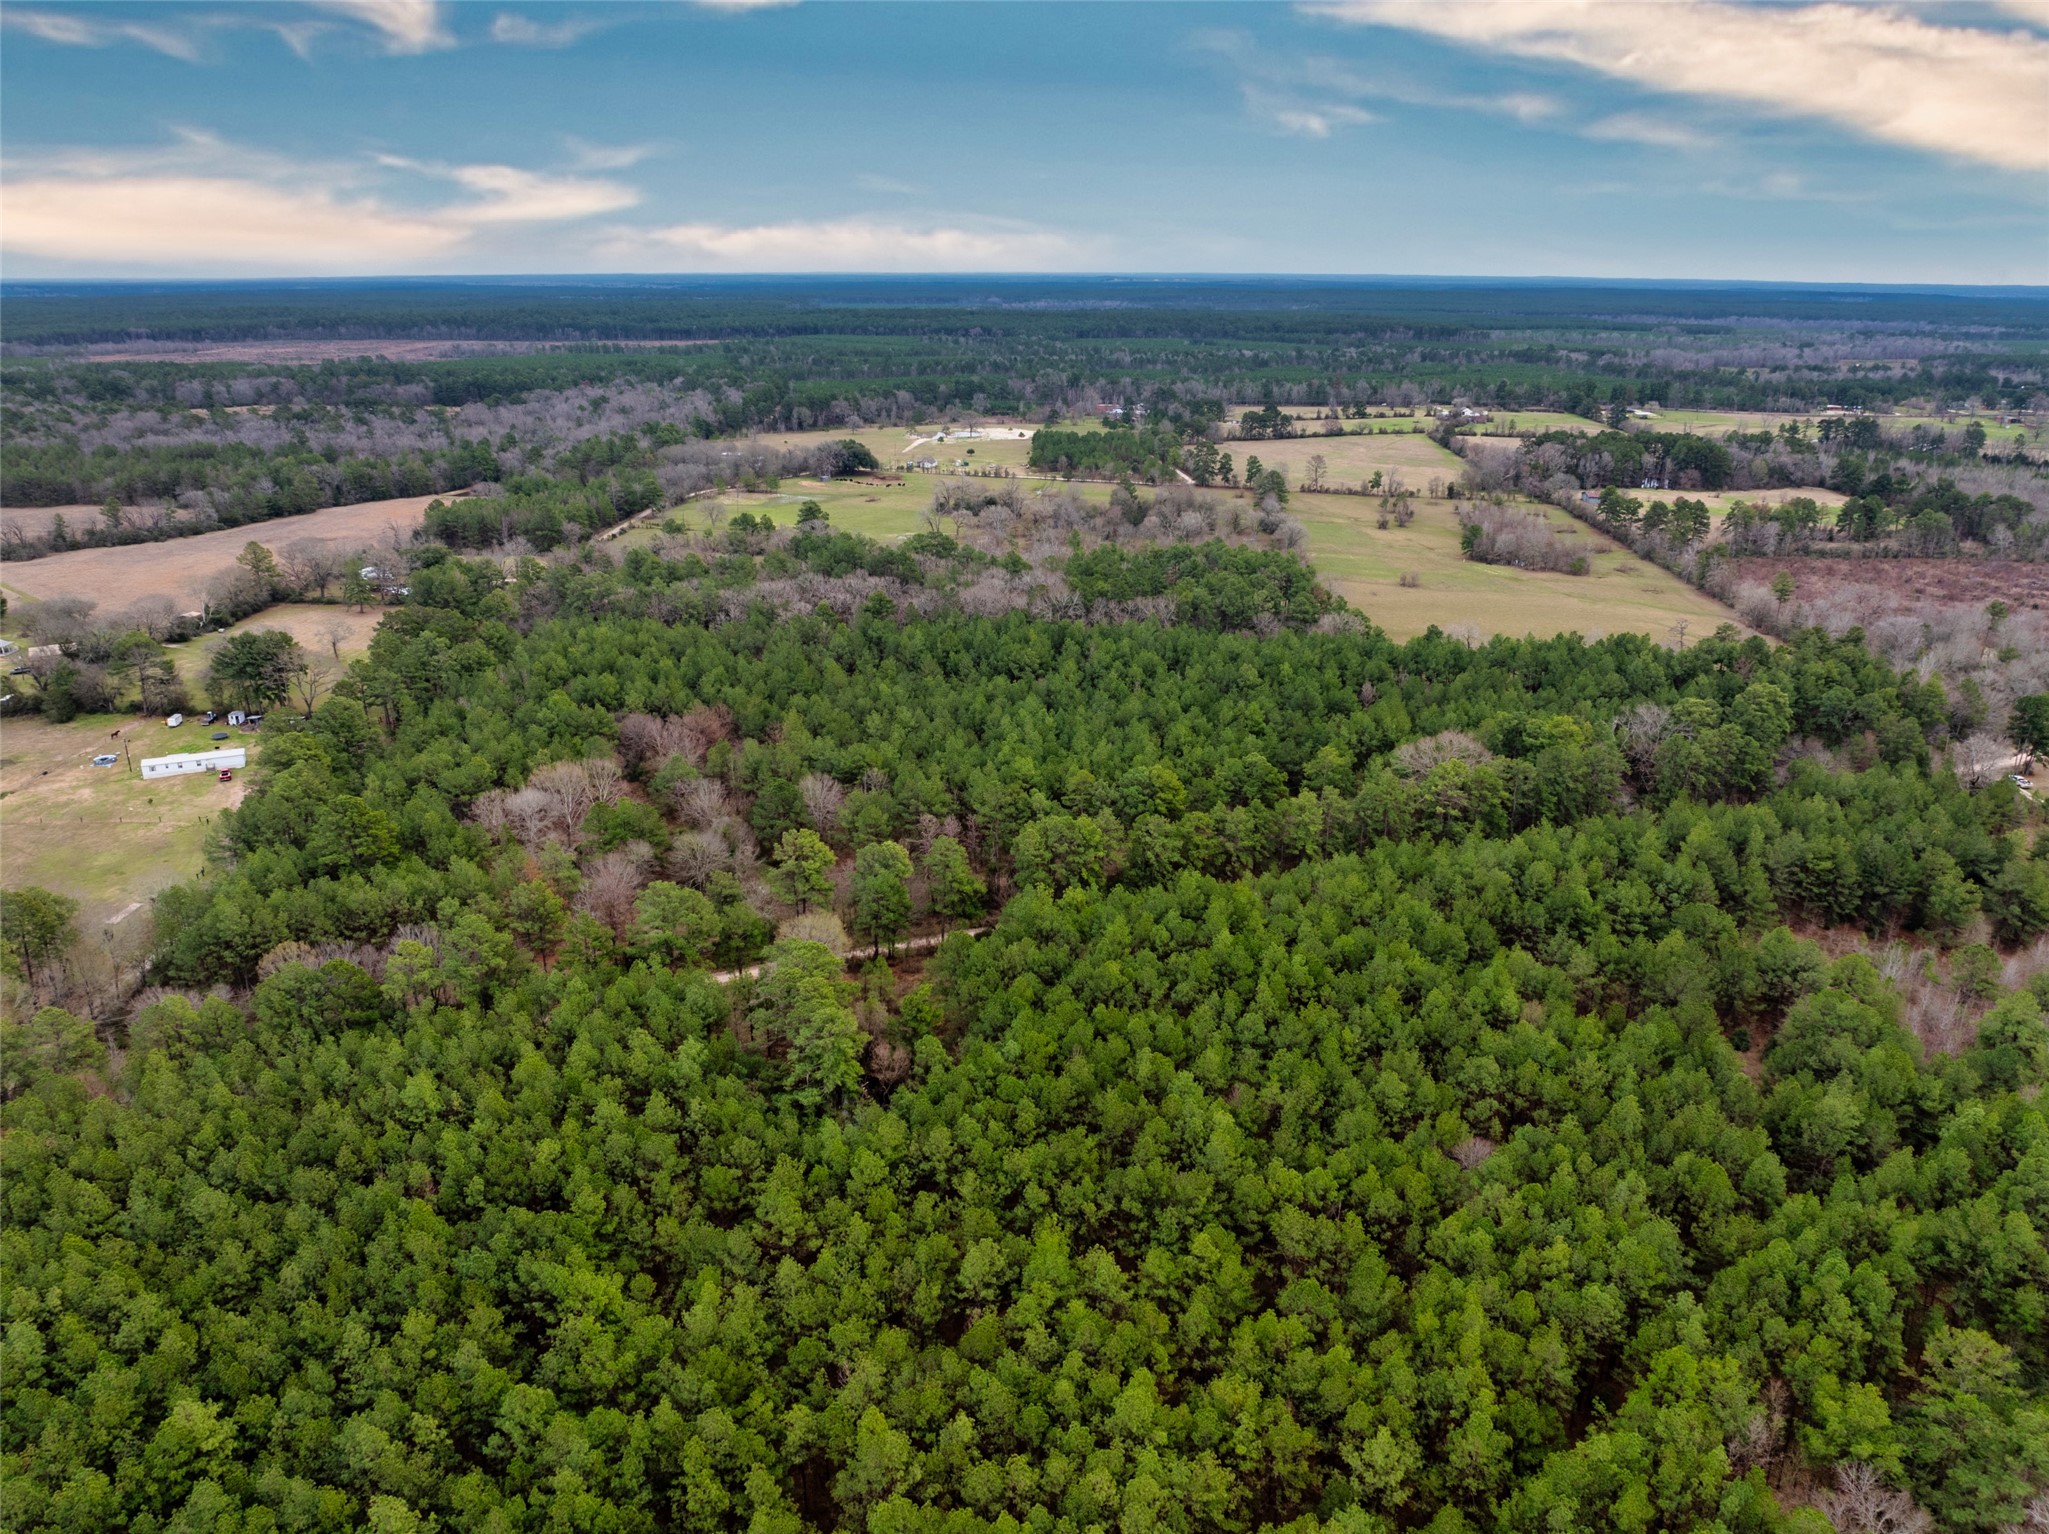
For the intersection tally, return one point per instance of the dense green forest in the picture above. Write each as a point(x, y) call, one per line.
point(1391, 1091)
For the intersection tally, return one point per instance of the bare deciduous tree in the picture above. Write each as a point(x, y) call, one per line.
point(310, 681)
point(695, 856)
point(823, 795)
point(701, 801)
point(612, 882)
point(1418, 757)
point(1863, 1504)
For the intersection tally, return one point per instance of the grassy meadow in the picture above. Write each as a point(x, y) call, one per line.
point(1365, 564)
point(1350, 461)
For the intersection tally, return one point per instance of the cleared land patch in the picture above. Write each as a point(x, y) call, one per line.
point(101, 834)
point(1362, 562)
point(1004, 444)
point(328, 632)
point(180, 567)
point(1907, 585)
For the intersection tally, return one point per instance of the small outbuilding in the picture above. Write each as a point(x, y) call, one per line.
point(228, 757)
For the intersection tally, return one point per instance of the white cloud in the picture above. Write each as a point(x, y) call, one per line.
point(524, 31)
point(297, 35)
point(854, 244)
point(201, 204)
point(606, 156)
point(77, 31)
point(1964, 91)
point(407, 26)
point(1641, 128)
point(509, 195)
point(1318, 121)
point(185, 222)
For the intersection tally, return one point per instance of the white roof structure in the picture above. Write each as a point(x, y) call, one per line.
point(226, 758)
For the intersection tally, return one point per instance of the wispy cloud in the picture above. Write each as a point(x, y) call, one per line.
point(606, 156)
point(79, 30)
point(525, 32)
point(505, 194)
point(1969, 92)
point(406, 26)
point(853, 244)
point(867, 181)
point(1313, 96)
point(1642, 128)
point(204, 204)
point(1303, 120)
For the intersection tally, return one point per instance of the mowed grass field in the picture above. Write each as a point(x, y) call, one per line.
point(1365, 564)
point(1353, 460)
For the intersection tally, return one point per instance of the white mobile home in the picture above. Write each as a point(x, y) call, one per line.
point(195, 761)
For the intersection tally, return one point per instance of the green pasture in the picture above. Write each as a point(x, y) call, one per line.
point(1350, 461)
point(1365, 564)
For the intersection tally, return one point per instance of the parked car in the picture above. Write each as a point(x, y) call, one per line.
point(227, 775)
point(2020, 780)
point(105, 759)
point(212, 715)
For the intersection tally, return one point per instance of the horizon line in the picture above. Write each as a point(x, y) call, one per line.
point(1409, 279)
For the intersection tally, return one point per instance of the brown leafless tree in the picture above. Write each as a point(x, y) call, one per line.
point(823, 795)
point(612, 882)
point(1863, 1504)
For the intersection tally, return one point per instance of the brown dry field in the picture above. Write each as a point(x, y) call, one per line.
point(180, 567)
point(1902, 583)
point(34, 521)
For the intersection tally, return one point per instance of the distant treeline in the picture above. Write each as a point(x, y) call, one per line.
point(73, 314)
point(780, 349)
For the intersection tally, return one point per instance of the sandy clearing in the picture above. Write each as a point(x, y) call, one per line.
point(180, 567)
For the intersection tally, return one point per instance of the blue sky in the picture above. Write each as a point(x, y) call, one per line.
point(1693, 138)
